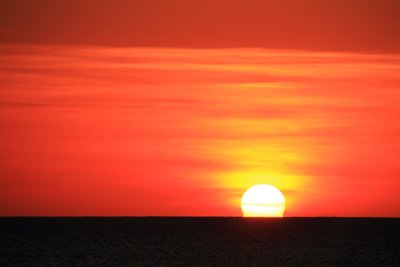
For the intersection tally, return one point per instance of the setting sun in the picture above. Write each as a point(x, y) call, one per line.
point(263, 201)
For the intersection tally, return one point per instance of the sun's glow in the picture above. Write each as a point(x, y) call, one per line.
point(263, 201)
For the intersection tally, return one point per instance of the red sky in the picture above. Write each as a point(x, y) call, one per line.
point(111, 110)
point(351, 25)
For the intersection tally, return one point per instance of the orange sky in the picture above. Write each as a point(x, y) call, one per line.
point(152, 131)
point(175, 107)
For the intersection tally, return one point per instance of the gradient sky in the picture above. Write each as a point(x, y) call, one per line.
point(176, 108)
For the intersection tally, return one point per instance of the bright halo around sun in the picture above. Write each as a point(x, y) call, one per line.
point(263, 201)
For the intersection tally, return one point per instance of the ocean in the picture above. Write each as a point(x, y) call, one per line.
point(199, 241)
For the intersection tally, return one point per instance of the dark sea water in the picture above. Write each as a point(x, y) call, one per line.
point(199, 242)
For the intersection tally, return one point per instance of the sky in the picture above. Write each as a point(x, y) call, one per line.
point(351, 25)
point(175, 108)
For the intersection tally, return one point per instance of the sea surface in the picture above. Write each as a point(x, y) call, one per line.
point(199, 241)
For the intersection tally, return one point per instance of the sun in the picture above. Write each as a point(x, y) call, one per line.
point(263, 201)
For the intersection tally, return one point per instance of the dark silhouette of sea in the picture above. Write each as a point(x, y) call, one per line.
point(199, 241)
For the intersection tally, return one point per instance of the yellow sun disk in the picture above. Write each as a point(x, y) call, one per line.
point(263, 201)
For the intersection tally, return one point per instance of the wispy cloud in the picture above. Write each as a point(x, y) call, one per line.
point(148, 131)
